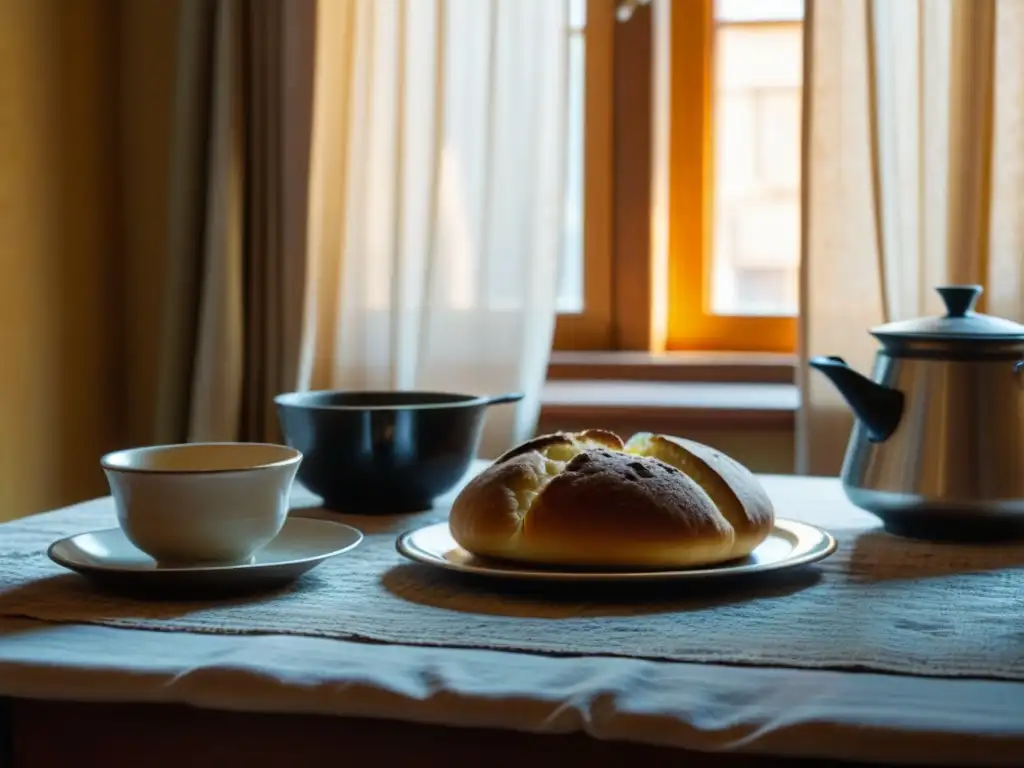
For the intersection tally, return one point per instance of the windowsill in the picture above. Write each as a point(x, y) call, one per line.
point(706, 367)
point(695, 390)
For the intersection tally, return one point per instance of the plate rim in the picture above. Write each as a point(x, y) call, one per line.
point(825, 547)
point(78, 567)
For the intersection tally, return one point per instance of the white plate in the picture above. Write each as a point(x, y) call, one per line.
point(790, 544)
point(108, 558)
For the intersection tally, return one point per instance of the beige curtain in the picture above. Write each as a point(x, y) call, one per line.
point(913, 178)
point(227, 326)
point(437, 199)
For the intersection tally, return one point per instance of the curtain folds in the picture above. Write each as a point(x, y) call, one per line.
point(219, 200)
point(234, 275)
point(436, 199)
point(360, 194)
point(913, 178)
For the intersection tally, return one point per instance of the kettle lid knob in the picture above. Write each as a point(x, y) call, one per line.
point(959, 299)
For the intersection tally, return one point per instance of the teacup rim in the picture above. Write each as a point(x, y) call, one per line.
point(294, 457)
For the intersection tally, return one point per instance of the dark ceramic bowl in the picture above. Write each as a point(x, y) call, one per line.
point(383, 452)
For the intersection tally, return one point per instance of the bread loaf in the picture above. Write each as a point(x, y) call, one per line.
point(588, 499)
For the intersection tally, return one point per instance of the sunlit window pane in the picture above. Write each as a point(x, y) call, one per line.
point(759, 10)
point(758, 73)
point(570, 283)
point(577, 14)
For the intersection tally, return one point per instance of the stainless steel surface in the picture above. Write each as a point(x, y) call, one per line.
point(938, 438)
point(959, 446)
point(790, 544)
point(960, 329)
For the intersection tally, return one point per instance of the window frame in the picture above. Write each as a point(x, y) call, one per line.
point(592, 328)
point(649, 191)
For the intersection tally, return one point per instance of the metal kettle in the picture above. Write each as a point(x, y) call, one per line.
point(939, 428)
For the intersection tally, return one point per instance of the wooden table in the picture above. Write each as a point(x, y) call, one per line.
point(159, 736)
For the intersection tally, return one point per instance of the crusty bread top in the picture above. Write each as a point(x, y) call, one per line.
point(564, 445)
point(739, 495)
point(588, 498)
point(751, 495)
point(611, 495)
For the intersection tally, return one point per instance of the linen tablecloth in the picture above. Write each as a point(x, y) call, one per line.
point(881, 603)
point(779, 711)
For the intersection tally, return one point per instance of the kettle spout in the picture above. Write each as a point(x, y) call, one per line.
point(878, 407)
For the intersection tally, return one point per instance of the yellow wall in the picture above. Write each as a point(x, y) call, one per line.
point(57, 236)
point(86, 103)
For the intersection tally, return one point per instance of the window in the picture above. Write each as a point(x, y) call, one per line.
point(729, 276)
point(570, 287)
point(584, 297)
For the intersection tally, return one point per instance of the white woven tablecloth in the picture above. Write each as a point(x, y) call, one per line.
point(790, 712)
point(713, 707)
point(880, 603)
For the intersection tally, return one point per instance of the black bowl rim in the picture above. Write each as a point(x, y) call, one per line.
point(459, 400)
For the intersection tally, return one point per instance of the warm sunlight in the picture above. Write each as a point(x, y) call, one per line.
point(757, 90)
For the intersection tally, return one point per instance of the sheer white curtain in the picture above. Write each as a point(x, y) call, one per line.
point(913, 177)
point(436, 199)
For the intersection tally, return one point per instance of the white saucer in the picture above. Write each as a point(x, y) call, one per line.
point(790, 544)
point(109, 559)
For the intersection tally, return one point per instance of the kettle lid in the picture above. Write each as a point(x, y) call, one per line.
point(960, 323)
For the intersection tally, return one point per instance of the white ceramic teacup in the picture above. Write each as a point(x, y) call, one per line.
point(202, 503)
